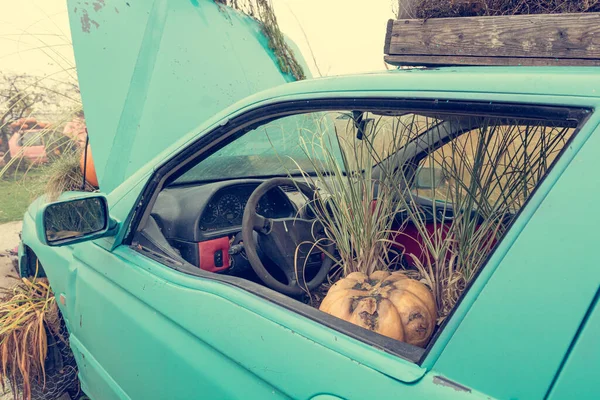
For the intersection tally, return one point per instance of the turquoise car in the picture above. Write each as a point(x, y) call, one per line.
point(171, 287)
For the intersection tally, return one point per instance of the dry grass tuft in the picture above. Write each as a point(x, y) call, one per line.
point(262, 11)
point(65, 175)
point(25, 314)
point(468, 8)
point(489, 170)
point(358, 226)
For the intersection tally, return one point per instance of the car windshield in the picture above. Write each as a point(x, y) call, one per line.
point(293, 145)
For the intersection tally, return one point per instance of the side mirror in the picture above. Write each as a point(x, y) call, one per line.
point(429, 178)
point(75, 220)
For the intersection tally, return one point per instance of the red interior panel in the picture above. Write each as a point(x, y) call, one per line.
point(210, 250)
point(411, 240)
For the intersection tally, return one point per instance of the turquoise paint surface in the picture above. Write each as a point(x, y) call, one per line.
point(508, 338)
point(578, 378)
point(151, 70)
point(140, 330)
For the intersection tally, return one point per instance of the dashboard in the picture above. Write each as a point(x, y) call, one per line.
point(195, 213)
point(226, 207)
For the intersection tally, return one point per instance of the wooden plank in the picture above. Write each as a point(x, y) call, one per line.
point(388, 36)
point(439, 61)
point(572, 36)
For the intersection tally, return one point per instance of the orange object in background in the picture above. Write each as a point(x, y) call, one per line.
point(90, 170)
point(28, 144)
point(27, 140)
point(75, 129)
point(23, 124)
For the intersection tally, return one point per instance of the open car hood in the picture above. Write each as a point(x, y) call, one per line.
point(152, 70)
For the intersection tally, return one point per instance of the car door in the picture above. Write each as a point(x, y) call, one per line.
point(129, 341)
point(143, 328)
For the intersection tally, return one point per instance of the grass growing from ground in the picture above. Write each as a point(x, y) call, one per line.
point(17, 192)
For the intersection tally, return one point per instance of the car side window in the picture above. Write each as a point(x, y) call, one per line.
point(476, 184)
point(499, 164)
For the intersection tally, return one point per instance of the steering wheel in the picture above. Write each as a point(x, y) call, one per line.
point(286, 241)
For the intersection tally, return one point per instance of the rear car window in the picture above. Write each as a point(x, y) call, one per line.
point(498, 163)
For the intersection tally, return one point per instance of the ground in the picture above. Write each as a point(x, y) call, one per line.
point(16, 192)
point(9, 238)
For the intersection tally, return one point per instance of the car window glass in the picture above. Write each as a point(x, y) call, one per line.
point(495, 163)
point(280, 147)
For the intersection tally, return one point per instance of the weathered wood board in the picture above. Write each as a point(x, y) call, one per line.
point(559, 39)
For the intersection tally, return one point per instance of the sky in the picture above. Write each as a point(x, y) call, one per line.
point(34, 36)
point(346, 36)
point(343, 36)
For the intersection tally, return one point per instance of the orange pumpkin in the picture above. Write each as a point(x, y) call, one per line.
point(90, 170)
point(390, 304)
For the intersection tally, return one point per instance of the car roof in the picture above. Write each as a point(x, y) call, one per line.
point(555, 81)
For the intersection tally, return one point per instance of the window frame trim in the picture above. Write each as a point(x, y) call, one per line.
point(237, 126)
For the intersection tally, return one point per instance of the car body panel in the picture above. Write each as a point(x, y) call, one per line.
point(538, 283)
point(116, 295)
point(578, 377)
point(136, 306)
point(152, 70)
